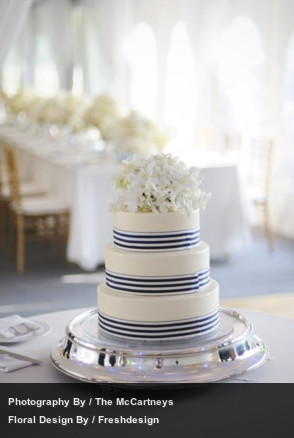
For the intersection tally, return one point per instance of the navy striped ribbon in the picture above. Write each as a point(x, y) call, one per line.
point(166, 330)
point(158, 285)
point(175, 240)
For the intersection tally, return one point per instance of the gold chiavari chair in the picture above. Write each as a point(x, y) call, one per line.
point(27, 189)
point(33, 218)
point(3, 204)
point(231, 143)
point(258, 183)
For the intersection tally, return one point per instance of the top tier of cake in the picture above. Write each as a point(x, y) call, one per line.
point(156, 232)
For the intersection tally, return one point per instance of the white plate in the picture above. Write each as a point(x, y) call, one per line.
point(31, 335)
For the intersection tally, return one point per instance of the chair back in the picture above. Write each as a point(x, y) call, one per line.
point(258, 176)
point(3, 170)
point(231, 143)
point(1, 175)
point(13, 176)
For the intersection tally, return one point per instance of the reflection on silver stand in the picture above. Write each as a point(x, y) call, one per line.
point(88, 355)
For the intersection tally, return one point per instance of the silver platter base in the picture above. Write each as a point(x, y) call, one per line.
point(88, 355)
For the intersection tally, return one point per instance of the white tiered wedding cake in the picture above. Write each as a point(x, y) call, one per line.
point(158, 285)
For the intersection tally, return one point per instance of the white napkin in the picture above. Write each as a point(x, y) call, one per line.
point(16, 327)
point(8, 363)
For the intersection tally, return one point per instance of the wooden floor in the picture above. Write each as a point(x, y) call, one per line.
point(281, 304)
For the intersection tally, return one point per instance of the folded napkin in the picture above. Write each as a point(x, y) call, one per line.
point(8, 363)
point(16, 327)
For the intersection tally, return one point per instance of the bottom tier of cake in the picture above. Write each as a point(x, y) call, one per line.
point(158, 317)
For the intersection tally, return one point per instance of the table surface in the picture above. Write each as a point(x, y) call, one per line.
point(276, 332)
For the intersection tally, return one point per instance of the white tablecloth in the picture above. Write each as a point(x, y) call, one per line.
point(91, 220)
point(85, 182)
point(276, 332)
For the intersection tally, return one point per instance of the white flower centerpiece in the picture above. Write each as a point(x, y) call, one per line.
point(102, 113)
point(16, 105)
point(136, 134)
point(158, 184)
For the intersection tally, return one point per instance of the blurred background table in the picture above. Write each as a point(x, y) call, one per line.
point(84, 179)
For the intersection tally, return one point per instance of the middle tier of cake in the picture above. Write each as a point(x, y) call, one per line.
point(172, 272)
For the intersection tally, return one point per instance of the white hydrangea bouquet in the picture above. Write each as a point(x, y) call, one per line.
point(18, 102)
point(159, 184)
point(136, 134)
point(102, 113)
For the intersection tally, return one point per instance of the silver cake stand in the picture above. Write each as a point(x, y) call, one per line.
point(88, 355)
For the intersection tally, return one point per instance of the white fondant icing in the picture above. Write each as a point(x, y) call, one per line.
point(155, 222)
point(157, 264)
point(136, 307)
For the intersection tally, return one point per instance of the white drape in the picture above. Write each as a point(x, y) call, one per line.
point(53, 18)
point(108, 23)
point(13, 14)
point(259, 108)
point(104, 64)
